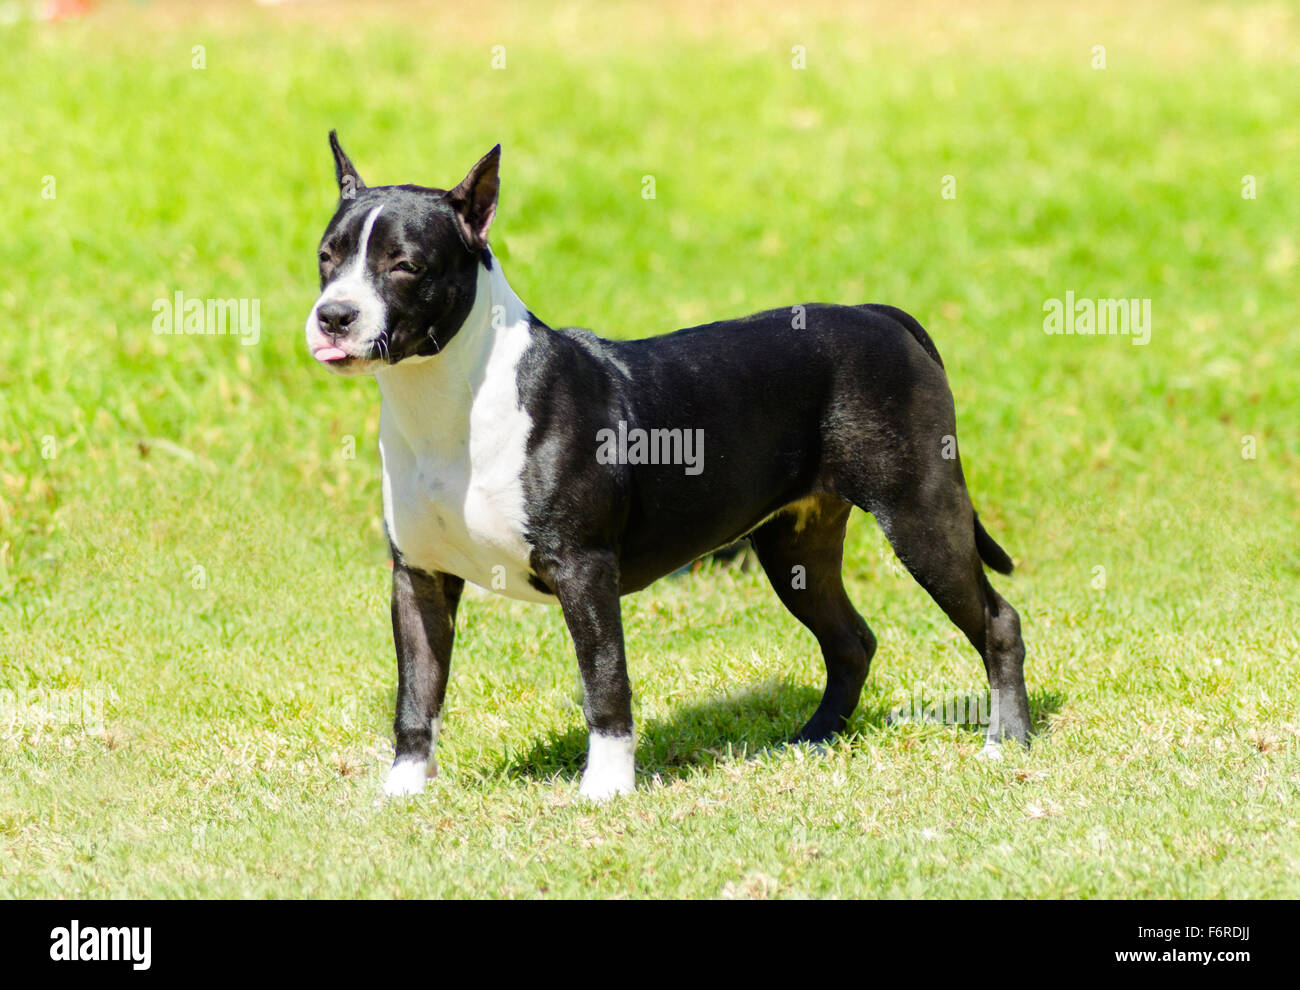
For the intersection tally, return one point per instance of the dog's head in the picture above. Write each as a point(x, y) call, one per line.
point(399, 267)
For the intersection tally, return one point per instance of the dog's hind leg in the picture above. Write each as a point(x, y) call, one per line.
point(801, 549)
point(932, 529)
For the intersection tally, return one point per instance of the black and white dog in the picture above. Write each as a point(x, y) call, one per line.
point(556, 466)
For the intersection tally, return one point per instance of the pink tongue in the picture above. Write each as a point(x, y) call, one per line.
point(329, 354)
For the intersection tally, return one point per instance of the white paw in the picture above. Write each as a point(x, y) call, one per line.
point(611, 767)
point(991, 751)
point(602, 788)
point(407, 776)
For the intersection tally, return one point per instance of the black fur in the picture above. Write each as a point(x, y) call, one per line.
point(804, 413)
point(849, 407)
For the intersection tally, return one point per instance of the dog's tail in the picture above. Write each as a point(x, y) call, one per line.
point(990, 552)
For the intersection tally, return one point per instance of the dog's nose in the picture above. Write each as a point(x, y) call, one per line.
point(335, 317)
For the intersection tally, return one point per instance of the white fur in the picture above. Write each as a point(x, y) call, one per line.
point(611, 767)
point(453, 436)
point(353, 285)
point(408, 773)
point(406, 777)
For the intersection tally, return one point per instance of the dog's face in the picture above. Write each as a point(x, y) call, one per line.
point(398, 267)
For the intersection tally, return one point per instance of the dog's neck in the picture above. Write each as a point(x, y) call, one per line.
point(430, 399)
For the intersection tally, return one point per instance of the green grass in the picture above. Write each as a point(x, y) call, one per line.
point(240, 731)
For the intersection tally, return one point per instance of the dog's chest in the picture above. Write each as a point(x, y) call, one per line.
point(454, 478)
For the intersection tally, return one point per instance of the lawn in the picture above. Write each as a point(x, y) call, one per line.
point(197, 681)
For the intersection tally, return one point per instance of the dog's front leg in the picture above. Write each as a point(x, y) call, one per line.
point(587, 586)
point(424, 626)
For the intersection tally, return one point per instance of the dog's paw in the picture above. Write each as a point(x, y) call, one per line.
point(611, 767)
point(602, 787)
point(407, 776)
point(992, 751)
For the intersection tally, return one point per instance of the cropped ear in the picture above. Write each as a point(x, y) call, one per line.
point(475, 200)
point(349, 181)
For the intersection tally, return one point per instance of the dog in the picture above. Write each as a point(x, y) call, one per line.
point(552, 465)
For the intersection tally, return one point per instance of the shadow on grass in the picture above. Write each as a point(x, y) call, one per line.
point(738, 725)
point(698, 735)
point(1043, 704)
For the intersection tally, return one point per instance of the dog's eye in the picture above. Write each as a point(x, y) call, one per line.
point(325, 258)
point(407, 268)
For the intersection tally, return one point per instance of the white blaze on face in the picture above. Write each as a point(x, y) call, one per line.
point(353, 285)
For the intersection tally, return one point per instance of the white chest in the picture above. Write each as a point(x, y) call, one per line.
point(458, 517)
point(454, 455)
